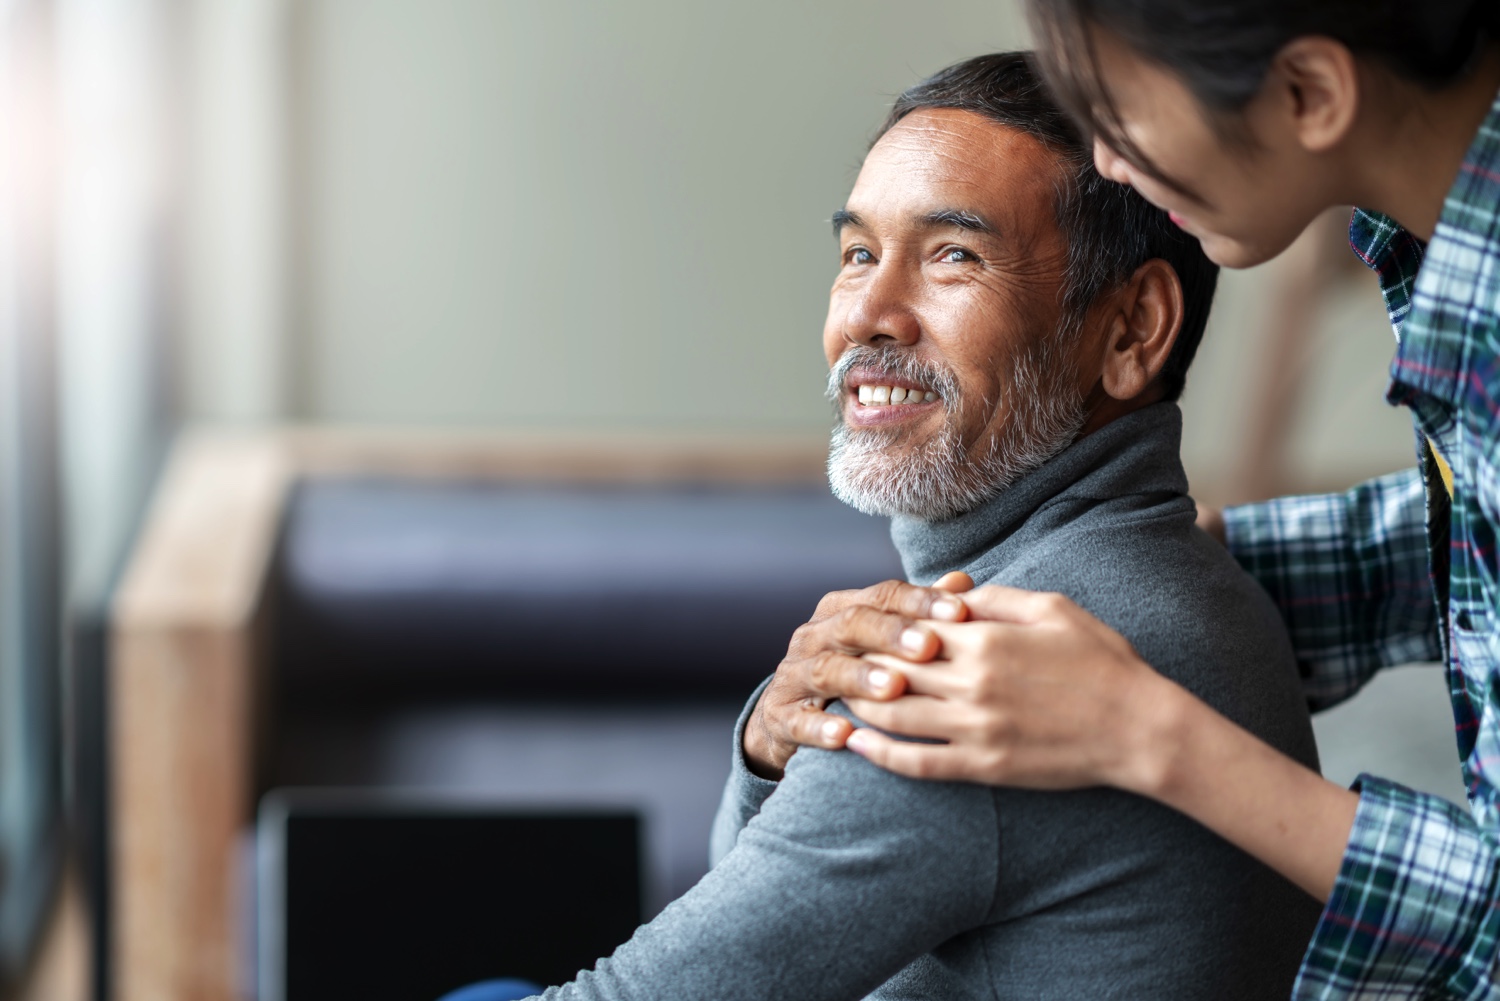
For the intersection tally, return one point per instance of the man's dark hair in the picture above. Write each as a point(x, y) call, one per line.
point(1110, 230)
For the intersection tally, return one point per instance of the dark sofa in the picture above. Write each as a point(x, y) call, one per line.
point(546, 644)
point(518, 622)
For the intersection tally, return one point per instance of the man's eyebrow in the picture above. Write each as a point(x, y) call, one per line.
point(842, 218)
point(961, 218)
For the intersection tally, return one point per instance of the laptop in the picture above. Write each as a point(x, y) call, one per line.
point(388, 896)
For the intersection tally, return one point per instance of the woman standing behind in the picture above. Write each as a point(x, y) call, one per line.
point(1246, 119)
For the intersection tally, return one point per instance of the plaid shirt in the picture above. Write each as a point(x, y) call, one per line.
point(1415, 912)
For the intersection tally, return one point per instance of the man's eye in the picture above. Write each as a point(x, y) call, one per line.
point(859, 255)
point(957, 255)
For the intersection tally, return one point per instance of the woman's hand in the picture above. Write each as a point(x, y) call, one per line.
point(1211, 520)
point(824, 663)
point(1037, 693)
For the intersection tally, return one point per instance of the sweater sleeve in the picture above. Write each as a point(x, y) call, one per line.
point(847, 874)
point(744, 791)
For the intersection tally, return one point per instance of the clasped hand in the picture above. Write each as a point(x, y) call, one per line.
point(1022, 688)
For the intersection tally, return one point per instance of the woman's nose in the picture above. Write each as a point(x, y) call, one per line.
point(1109, 163)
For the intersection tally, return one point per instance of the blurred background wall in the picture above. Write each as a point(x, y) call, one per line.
point(531, 214)
point(523, 214)
point(528, 213)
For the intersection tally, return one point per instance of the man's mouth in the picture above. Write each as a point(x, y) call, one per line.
point(870, 395)
point(874, 389)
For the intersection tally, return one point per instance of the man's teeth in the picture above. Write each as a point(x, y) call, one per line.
point(879, 396)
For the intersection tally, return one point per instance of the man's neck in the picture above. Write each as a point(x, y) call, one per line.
point(1136, 456)
point(1105, 409)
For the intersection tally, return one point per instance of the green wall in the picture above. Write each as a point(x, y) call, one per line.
point(531, 213)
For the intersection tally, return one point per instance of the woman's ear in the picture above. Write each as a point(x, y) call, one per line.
point(1147, 317)
point(1315, 82)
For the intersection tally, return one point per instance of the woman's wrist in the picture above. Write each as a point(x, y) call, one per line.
point(1157, 718)
point(1186, 756)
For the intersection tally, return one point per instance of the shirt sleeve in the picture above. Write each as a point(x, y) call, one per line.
point(846, 875)
point(744, 791)
point(1349, 573)
point(1415, 911)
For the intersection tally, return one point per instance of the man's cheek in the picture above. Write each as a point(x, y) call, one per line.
point(833, 345)
point(834, 341)
point(978, 412)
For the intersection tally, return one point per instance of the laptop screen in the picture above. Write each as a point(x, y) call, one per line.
point(390, 900)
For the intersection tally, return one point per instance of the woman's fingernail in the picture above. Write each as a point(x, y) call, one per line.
point(950, 609)
point(856, 742)
point(914, 640)
point(831, 730)
point(879, 680)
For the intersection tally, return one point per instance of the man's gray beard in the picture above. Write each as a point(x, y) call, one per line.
point(871, 469)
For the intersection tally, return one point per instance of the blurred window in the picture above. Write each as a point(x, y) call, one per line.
point(30, 793)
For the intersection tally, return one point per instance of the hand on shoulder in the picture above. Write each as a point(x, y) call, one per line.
point(824, 662)
point(1033, 691)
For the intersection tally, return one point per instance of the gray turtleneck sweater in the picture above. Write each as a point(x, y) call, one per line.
point(843, 880)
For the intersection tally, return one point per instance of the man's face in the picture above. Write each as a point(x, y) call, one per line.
point(948, 299)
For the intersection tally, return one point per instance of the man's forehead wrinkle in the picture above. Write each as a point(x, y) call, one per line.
point(961, 169)
point(938, 151)
point(967, 137)
point(916, 197)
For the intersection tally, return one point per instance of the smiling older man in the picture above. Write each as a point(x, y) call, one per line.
point(1006, 334)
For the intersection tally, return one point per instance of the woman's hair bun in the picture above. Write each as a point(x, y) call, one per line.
point(1449, 35)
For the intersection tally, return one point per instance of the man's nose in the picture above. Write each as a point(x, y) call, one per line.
point(881, 311)
point(1109, 163)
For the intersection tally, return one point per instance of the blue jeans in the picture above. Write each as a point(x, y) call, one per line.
point(494, 990)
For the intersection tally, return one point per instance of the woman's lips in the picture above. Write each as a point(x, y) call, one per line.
point(1177, 220)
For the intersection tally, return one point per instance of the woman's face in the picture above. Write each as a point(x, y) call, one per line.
point(1246, 201)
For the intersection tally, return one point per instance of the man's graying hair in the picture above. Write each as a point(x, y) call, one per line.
point(1110, 230)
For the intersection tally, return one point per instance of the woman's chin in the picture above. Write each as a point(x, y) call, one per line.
point(1228, 252)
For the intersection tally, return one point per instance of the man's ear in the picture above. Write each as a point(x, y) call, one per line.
point(1146, 318)
point(1314, 82)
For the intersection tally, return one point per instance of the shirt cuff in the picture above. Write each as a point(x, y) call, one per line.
point(1413, 913)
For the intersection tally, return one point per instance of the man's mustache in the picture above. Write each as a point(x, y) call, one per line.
point(901, 364)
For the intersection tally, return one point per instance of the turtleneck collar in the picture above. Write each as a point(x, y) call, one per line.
point(1129, 463)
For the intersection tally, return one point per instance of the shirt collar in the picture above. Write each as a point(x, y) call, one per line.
point(1393, 254)
point(1423, 302)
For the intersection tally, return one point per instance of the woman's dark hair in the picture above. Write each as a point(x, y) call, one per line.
point(1223, 49)
point(1110, 230)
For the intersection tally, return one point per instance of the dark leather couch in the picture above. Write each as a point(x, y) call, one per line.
point(537, 644)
